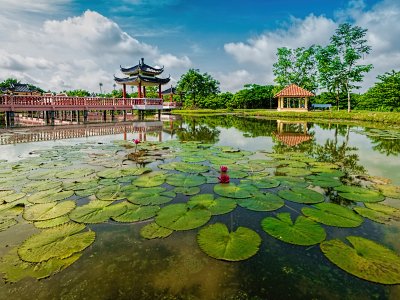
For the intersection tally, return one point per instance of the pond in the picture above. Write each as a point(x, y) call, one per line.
point(304, 210)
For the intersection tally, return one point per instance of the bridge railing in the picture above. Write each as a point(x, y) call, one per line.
point(26, 100)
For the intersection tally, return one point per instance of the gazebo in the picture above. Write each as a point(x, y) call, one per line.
point(293, 98)
point(292, 133)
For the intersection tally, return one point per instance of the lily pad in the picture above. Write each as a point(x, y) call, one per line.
point(191, 168)
point(75, 173)
point(290, 171)
point(136, 213)
point(43, 175)
point(150, 179)
point(303, 231)
point(261, 183)
point(391, 191)
point(110, 193)
point(262, 202)
point(324, 181)
point(61, 242)
point(154, 231)
point(49, 196)
point(366, 259)
point(188, 191)
point(181, 217)
point(333, 215)
point(47, 211)
point(359, 194)
point(185, 180)
point(291, 181)
point(42, 185)
point(386, 209)
point(232, 190)
point(147, 196)
point(301, 195)
point(216, 241)
point(97, 212)
point(217, 206)
point(6, 223)
point(52, 222)
point(12, 197)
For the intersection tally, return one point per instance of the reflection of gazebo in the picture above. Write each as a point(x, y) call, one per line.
point(293, 98)
point(292, 133)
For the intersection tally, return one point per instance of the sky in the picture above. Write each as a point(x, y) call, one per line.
point(69, 44)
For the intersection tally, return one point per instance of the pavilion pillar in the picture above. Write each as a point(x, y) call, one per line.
point(139, 90)
point(306, 103)
point(159, 91)
point(144, 92)
point(124, 91)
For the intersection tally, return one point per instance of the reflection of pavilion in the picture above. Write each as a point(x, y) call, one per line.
point(292, 133)
point(48, 133)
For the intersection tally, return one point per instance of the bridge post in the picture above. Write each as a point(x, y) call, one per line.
point(159, 114)
point(9, 119)
point(113, 115)
point(85, 116)
point(50, 116)
point(124, 115)
point(105, 116)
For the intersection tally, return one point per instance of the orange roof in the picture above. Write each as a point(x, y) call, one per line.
point(293, 139)
point(294, 90)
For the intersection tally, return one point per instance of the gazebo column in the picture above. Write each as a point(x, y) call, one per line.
point(306, 103)
point(144, 92)
point(139, 90)
point(159, 91)
point(124, 90)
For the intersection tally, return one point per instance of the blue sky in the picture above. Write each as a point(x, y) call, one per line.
point(69, 44)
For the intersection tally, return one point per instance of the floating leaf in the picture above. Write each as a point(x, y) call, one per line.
point(46, 211)
point(97, 212)
point(110, 193)
point(81, 185)
point(146, 196)
point(301, 195)
point(303, 231)
point(232, 190)
point(261, 183)
point(154, 231)
point(75, 173)
point(391, 191)
point(12, 197)
point(386, 209)
point(188, 191)
point(366, 259)
point(262, 202)
point(49, 196)
point(359, 194)
point(52, 222)
point(373, 215)
point(191, 168)
point(15, 269)
point(43, 175)
point(181, 217)
point(185, 180)
point(333, 215)
point(110, 173)
point(6, 223)
point(216, 241)
point(217, 206)
point(136, 213)
point(290, 171)
point(324, 181)
point(291, 181)
point(42, 185)
point(61, 242)
point(151, 179)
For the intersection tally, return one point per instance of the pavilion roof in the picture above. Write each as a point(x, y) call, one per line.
point(293, 90)
point(292, 139)
point(144, 80)
point(141, 67)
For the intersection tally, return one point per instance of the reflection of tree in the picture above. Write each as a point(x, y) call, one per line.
point(386, 146)
point(195, 132)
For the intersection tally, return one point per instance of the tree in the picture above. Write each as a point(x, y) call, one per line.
point(78, 93)
point(296, 66)
point(350, 46)
point(384, 95)
point(194, 84)
point(9, 82)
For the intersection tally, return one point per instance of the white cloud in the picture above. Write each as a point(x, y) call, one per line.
point(235, 80)
point(74, 53)
point(258, 54)
point(34, 5)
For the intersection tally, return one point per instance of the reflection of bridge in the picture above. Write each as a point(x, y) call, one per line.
point(52, 104)
point(48, 133)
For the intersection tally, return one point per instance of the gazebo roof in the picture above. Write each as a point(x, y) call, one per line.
point(144, 80)
point(293, 91)
point(293, 139)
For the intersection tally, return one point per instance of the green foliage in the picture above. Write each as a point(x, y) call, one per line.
point(77, 93)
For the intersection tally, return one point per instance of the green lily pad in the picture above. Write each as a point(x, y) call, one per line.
point(110, 173)
point(43, 175)
point(136, 213)
point(110, 193)
point(359, 194)
point(42, 185)
point(52, 222)
point(12, 197)
point(232, 190)
point(80, 185)
point(303, 231)
point(97, 212)
point(7, 223)
point(217, 206)
point(391, 191)
point(366, 259)
point(386, 209)
point(262, 202)
point(15, 269)
point(134, 171)
point(47, 211)
point(333, 215)
point(221, 160)
point(154, 231)
point(188, 191)
point(290, 171)
point(301, 195)
point(185, 180)
point(216, 241)
point(373, 215)
point(74, 173)
point(193, 159)
point(181, 217)
point(150, 179)
point(261, 183)
point(61, 242)
point(324, 181)
point(49, 196)
point(191, 168)
point(291, 181)
point(147, 196)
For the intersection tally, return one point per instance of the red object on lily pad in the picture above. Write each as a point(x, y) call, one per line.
point(223, 178)
point(224, 168)
point(136, 141)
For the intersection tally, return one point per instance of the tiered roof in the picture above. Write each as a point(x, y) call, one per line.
point(142, 74)
point(293, 91)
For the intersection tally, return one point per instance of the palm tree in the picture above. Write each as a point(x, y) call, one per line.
point(114, 85)
point(100, 85)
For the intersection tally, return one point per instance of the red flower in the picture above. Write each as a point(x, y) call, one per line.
point(224, 168)
point(136, 141)
point(224, 178)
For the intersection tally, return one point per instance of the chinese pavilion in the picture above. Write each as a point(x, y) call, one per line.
point(141, 75)
point(293, 98)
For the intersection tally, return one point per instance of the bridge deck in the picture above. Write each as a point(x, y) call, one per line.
point(60, 103)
